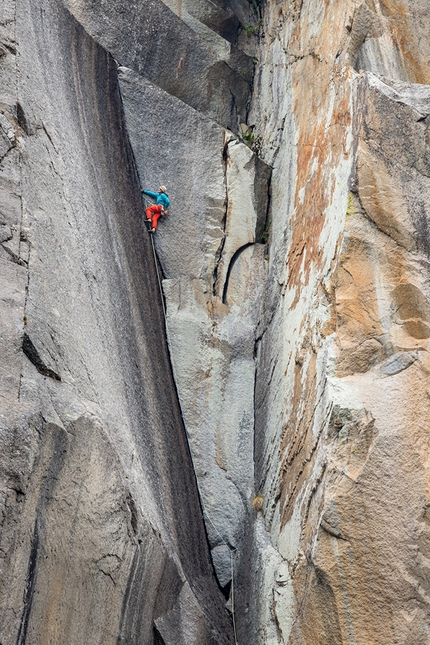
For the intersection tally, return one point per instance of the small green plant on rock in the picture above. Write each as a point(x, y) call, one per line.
point(265, 234)
point(248, 137)
point(249, 30)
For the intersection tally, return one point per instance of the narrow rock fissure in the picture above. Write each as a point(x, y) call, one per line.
point(30, 586)
point(262, 235)
point(174, 384)
point(230, 267)
point(13, 256)
point(21, 118)
point(257, 345)
point(158, 640)
point(34, 357)
point(5, 155)
point(218, 255)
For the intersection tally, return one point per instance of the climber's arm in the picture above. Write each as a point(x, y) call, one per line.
point(150, 193)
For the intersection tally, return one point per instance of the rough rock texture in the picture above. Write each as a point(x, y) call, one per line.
point(294, 268)
point(149, 38)
point(222, 188)
point(342, 367)
point(102, 536)
point(303, 314)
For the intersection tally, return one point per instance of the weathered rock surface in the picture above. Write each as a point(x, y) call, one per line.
point(102, 536)
point(342, 376)
point(294, 275)
point(222, 189)
point(214, 80)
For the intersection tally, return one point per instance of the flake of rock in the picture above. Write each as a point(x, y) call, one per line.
point(397, 363)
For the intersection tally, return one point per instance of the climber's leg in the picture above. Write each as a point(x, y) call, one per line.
point(150, 211)
point(156, 216)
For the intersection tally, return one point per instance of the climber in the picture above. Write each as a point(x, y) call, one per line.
point(154, 212)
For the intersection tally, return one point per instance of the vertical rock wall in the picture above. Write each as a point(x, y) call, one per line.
point(339, 553)
point(102, 537)
point(213, 265)
point(294, 269)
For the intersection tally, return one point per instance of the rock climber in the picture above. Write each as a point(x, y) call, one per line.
point(154, 212)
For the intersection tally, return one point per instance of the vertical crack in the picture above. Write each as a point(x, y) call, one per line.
point(30, 585)
point(263, 226)
point(20, 117)
point(218, 255)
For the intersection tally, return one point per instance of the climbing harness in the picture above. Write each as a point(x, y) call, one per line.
point(232, 551)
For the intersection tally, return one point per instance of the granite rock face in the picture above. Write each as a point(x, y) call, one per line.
point(152, 40)
point(213, 265)
point(260, 427)
point(102, 535)
point(342, 366)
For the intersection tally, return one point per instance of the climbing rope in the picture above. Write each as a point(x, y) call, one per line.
point(159, 279)
point(232, 551)
point(148, 203)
